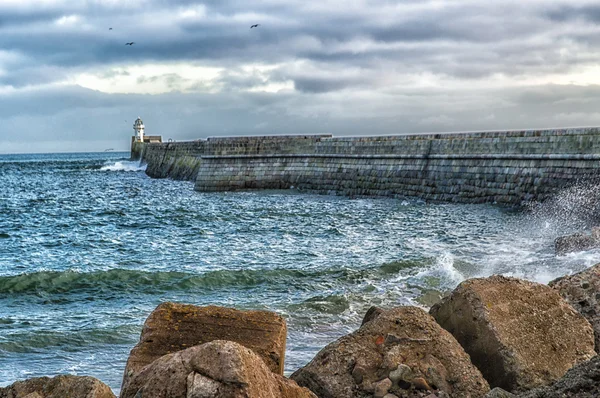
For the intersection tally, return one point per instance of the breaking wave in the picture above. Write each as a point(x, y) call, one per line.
point(125, 280)
point(124, 166)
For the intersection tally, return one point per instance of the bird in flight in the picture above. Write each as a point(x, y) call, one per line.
point(130, 43)
point(109, 28)
point(255, 26)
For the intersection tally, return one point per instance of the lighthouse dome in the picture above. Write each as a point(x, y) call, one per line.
point(138, 122)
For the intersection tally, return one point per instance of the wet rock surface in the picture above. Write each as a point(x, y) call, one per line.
point(172, 327)
point(219, 369)
point(577, 242)
point(64, 386)
point(400, 352)
point(582, 291)
point(520, 334)
point(582, 381)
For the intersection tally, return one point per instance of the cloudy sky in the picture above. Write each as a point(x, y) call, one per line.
point(69, 83)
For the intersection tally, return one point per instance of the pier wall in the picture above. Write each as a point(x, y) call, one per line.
point(506, 167)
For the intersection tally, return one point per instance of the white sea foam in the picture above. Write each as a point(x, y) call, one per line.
point(124, 166)
point(444, 269)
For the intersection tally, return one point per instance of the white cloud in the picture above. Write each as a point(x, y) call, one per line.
point(68, 20)
point(149, 78)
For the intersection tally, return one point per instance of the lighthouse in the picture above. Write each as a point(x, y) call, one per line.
point(138, 127)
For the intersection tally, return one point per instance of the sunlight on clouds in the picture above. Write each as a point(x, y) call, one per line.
point(164, 78)
point(148, 79)
point(196, 12)
point(273, 87)
point(582, 76)
point(68, 20)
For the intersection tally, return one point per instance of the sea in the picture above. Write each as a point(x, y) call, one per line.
point(90, 245)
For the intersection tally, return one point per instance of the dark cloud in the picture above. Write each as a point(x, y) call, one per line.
point(322, 85)
point(90, 120)
point(564, 13)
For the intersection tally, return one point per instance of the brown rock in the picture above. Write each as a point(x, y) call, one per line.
point(421, 384)
point(63, 386)
point(519, 334)
point(219, 369)
point(582, 291)
point(381, 388)
point(173, 327)
point(419, 344)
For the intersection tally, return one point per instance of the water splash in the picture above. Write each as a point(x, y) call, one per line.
point(124, 166)
point(574, 208)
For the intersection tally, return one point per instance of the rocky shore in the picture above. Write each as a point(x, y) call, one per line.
point(490, 337)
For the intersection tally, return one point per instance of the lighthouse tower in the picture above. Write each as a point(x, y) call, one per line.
point(138, 127)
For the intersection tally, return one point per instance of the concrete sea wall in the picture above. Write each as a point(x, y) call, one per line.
point(506, 167)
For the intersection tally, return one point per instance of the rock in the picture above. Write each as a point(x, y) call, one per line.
point(582, 291)
point(62, 386)
point(33, 395)
point(219, 369)
point(401, 374)
point(419, 348)
point(520, 334)
point(421, 384)
point(172, 327)
point(499, 393)
point(582, 381)
point(577, 242)
point(381, 388)
point(372, 313)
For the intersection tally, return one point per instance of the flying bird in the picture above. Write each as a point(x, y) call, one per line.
point(255, 26)
point(130, 43)
point(109, 28)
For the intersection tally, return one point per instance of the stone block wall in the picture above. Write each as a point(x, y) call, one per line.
point(503, 167)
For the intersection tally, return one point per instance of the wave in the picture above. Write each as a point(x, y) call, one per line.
point(31, 341)
point(146, 282)
point(57, 282)
point(124, 166)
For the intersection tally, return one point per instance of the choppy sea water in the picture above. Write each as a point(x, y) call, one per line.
point(89, 246)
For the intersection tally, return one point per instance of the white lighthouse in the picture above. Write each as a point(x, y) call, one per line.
point(138, 127)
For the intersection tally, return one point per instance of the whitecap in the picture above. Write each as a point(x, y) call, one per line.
point(124, 166)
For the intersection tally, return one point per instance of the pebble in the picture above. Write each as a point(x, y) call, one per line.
point(358, 373)
point(381, 388)
point(402, 372)
point(421, 384)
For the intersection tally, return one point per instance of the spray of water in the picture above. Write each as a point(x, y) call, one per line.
point(124, 166)
point(574, 208)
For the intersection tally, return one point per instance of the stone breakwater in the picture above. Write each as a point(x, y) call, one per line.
point(489, 338)
point(507, 167)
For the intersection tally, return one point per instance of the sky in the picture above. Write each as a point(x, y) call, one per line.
point(68, 83)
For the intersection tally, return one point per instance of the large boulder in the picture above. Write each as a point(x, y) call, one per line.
point(402, 351)
point(219, 369)
point(577, 242)
point(520, 334)
point(582, 381)
point(582, 291)
point(63, 386)
point(172, 327)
